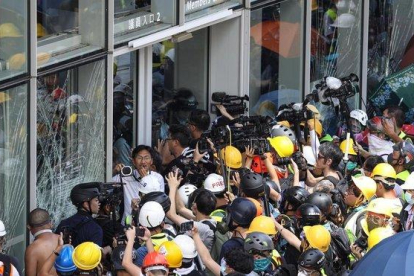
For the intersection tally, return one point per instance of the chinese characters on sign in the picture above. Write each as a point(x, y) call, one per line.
point(143, 20)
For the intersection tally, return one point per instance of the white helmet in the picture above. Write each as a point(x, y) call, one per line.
point(309, 156)
point(345, 20)
point(360, 116)
point(187, 246)
point(151, 214)
point(185, 191)
point(214, 183)
point(148, 184)
point(2, 229)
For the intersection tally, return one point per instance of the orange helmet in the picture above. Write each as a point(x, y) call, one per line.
point(154, 260)
point(258, 165)
point(259, 209)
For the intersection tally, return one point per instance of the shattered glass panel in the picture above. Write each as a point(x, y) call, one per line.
point(13, 167)
point(391, 54)
point(70, 135)
point(335, 49)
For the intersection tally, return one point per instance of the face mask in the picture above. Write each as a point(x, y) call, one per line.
point(409, 198)
point(302, 272)
point(261, 264)
point(350, 166)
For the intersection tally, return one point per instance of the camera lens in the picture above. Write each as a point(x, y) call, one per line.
point(126, 171)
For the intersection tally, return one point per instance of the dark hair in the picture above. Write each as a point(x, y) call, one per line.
point(372, 161)
point(39, 217)
point(239, 260)
point(140, 148)
point(180, 133)
point(157, 161)
point(396, 112)
point(200, 119)
point(333, 152)
point(206, 202)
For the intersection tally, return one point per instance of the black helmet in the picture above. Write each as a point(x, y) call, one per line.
point(159, 197)
point(242, 211)
point(117, 256)
point(312, 259)
point(308, 215)
point(84, 192)
point(295, 196)
point(252, 184)
point(184, 99)
point(322, 200)
point(258, 241)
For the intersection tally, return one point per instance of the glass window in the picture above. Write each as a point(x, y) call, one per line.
point(13, 38)
point(335, 48)
point(138, 18)
point(13, 167)
point(179, 81)
point(68, 29)
point(125, 81)
point(276, 56)
point(70, 134)
point(391, 54)
point(198, 8)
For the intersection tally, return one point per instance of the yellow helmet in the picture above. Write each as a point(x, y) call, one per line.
point(384, 171)
point(232, 157)
point(316, 124)
point(366, 185)
point(172, 253)
point(378, 234)
point(262, 224)
point(282, 145)
point(87, 256)
point(4, 97)
point(380, 206)
point(9, 30)
point(41, 31)
point(17, 61)
point(284, 123)
point(342, 146)
point(315, 111)
point(318, 237)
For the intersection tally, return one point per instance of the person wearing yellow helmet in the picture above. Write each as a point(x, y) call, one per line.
point(377, 235)
point(407, 214)
point(87, 258)
point(352, 155)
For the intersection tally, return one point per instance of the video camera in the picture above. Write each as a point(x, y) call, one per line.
point(234, 105)
point(294, 113)
point(111, 193)
point(341, 89)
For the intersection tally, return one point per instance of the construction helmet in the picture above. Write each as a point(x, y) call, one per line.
point(154, 261)
point(148, 184)
point(308, 215)
point(282, 145)
point(2, 229)
point(252, 184)
point(360, 116)
point(279, 130)
point(9, 30)
point(185, 191)
point(284, 123)
point(84, 192)
point(242, 211)
point(262, 224)
point(258, 241)
point(159, 197)
point(151, 214)
point(318, 237)
point(316, 124)
point(326, 138)
point(64, 262)
point(258, 165)
point(172, 253)
point(232, 157)
point(366, 185)
point(377, 235)
point(380, 206)
point(87, 256)
point(408, 185)
point(215, 183)
point(385, 173)
point(345, 20)
point(17, 61)
point(4, 97)
point(312, 259)
point(343, 144)
point(187, 246)
point(256, 203)
point(315, 111)
point(322, 200)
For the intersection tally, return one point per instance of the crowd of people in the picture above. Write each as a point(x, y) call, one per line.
point(311, 205)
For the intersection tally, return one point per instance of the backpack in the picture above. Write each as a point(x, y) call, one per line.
point(6, 268)
point(341, 249)
point(340, 184)
point(218, 241)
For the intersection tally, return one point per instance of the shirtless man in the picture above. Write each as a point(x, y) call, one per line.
point(45, 241)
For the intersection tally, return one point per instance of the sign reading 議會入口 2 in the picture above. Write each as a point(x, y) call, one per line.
point(197, 5)
point(143, 20)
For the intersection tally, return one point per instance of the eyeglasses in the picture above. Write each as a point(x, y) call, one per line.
point(145, 158)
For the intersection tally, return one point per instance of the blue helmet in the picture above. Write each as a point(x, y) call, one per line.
point(64, 262)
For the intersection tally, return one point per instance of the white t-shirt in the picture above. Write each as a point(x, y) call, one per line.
point(132, 188)
point(13, 271)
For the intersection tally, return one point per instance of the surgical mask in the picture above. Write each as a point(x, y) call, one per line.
point(409, 198)
point(350, 166)
point(261, 264)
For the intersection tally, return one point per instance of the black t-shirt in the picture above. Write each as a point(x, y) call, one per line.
point(10, 259)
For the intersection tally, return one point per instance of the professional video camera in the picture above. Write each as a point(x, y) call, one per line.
point(294, 113)
point(111, 193)
point(340, 89)
point(234, 105)
point(297, 158)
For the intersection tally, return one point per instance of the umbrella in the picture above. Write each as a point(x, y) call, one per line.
point(392, 256)
point(283, 38)
point(276, 98)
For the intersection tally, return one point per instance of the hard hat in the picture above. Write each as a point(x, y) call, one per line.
point(308, 154)
point(318, 237)
point(84, 192)
point(218, 215)
point(380, 206)
point(315, 111)
point(159, 197)
point(154, 261)
point(215, 183)
point(185, 191)
point(384, 172)
point(360, 116)
point(366, 185)
point(322, 200)
point(232, 157)
point(151, 214)
point(2, 229)
point(172, 253)
point(279, 130)
point(258, 165)
point(41, 31)
point(17, 61)
point(259, 209)
point(409, 183)
point(9, 30)
point(252, 184)
point(282, 145)
point(171, 54)
point(377, 235)
point(148, 183)
point(343, 144)
point(242, 211)
point(312, 259)
point(64, 262)
point(326, 138)
point(262, 224)
point(186, 245)
point(87, 256)
point(4, 97)
point(258, 241)
point(316, 124)
point(345, 20)
point(308, 215)
point(284, 123)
